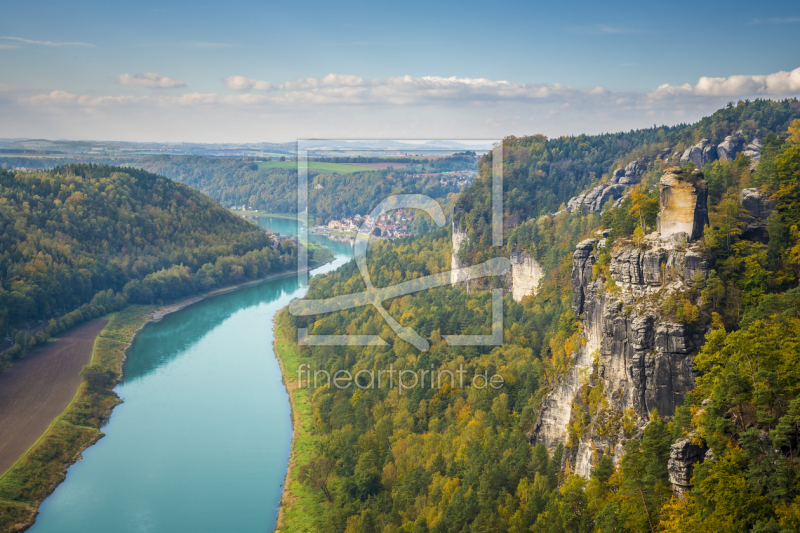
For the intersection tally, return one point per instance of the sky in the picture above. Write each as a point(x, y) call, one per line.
point(267, 71)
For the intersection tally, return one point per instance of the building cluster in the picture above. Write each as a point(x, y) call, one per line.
point(390, 225)
point(458, 178)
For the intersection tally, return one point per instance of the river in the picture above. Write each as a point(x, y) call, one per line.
point(202, 442)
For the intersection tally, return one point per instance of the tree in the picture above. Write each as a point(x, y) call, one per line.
point(316, 474)
point(794, 132)
point(644, 207)
point(97, 377)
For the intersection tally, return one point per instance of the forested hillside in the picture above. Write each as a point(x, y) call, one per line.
point(330, 196)
point(81, 240)
point(453, 460)
point(540, 174)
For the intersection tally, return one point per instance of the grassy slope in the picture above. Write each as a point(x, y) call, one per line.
point(302, 509)
point(26, 484)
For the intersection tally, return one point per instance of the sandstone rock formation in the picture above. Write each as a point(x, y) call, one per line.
point(525, 275)
point(640, 359)
point(700, 154)
point(731, 146)
point(633, 173)
point(683, 455)
point(758, 209)
point(683, 204)
point(459, 236)
point(594, 199)
point(753, 150)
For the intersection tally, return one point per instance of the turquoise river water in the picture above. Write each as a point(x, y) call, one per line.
point(202, 442)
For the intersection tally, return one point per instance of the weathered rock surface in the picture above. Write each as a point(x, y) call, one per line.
point(594, 199)
point(633, 173)
point(731, 146)
point(753, 150)
point(706, 152)
point(683, 455)
point(700, 154)
point(525, 275)
point(683, 204)
point(642, 360)
point(459, 236)
point(758, 209)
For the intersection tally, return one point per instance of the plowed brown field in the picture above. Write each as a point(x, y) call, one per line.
point(38, 387)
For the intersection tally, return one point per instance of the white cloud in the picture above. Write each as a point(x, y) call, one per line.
point(240, 83)
point(339, 105)
point(150, 80)
point(44, 43)
point(63, 98)
point(6, 88)
point(778, 84)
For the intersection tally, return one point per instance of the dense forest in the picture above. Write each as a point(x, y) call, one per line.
point(542, 174)
point(330, 196)
point(82, 240)
point(449, 459)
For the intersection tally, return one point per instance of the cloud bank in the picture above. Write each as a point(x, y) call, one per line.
point(342, 105)
point(240, 83)
point(150, 80)
point(778, 84)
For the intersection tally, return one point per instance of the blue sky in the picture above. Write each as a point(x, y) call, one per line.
point(216, 72)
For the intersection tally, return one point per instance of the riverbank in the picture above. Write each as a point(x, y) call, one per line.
point(43, 467)
point(290, 216)
point(301, 509)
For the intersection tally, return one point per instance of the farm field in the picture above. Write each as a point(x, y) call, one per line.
point(39, 387)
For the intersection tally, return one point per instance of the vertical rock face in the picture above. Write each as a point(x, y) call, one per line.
point(683, 455)
point(700, 154)
point(459, 236)
point(639, 358)
point(753, 150)
point(594, 199)
point(525, 275)
point(731, 146)
point(683, 204)
point(758, 209)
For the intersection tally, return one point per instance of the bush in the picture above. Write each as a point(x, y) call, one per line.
point(97, 377)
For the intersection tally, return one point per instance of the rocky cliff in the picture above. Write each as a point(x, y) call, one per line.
point(596, 198)
point(522, 281)
point(706, 152)
point(459, 236)
point(758, 207)
point(633, 356)
point(525, 275)
point(683, 204)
